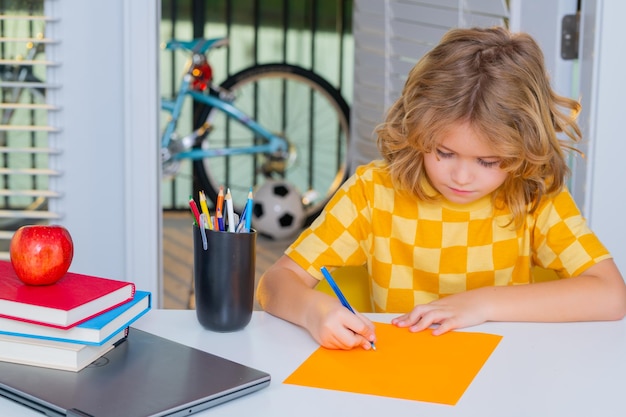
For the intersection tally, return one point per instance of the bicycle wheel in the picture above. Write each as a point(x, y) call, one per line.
point(293, 103)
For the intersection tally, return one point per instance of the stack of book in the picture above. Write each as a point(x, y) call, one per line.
point(66, 325)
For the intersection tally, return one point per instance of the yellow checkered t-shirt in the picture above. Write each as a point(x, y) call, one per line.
point(417, 251)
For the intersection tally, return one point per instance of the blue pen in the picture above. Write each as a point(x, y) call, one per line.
point(242, 219)
point(339, 294)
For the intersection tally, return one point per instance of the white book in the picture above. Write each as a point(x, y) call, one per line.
point(53, 354)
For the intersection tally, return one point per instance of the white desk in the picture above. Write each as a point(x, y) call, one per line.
point(555, 370)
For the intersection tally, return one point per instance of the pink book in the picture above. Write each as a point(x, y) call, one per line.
point(73, 299)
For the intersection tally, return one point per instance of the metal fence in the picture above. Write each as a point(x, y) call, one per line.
point(314, 34)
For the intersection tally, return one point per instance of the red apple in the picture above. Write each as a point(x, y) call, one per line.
point(41, 254)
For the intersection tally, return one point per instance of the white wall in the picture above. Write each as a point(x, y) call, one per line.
point(109, 128)
point(603, 91)
point(543, 20)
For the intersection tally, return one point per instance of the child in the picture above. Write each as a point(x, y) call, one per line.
point(469, 196)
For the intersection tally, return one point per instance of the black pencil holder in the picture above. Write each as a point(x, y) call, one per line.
point(224, 278)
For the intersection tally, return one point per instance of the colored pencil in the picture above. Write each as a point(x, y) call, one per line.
point(249, 204)
point(230, 213)
point(194, 210)
point(205, 209)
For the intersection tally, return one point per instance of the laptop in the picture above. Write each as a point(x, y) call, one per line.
point(144, 375)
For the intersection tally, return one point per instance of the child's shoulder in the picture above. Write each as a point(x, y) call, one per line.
point(375, 171)
point(561, 201)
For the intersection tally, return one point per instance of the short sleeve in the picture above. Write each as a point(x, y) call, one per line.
point(562, 240)
point(335, 237)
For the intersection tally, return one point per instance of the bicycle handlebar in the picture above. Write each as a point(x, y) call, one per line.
point(199, 45)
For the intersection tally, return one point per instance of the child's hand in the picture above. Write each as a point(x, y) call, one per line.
point(452, 312)
point(335, 327)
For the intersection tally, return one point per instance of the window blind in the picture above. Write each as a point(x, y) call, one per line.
point(389, 38)
point(25, 155)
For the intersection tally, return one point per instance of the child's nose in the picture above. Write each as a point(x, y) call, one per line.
point(462, 173)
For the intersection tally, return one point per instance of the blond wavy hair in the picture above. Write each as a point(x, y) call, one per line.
point(497, 81)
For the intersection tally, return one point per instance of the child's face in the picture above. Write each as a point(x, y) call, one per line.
point(463, 168)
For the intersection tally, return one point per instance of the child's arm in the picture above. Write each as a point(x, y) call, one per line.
point(287, 291)
point(599, 293)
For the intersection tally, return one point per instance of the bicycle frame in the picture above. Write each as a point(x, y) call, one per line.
point(274, 144)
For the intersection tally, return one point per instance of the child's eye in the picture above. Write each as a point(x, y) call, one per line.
point(443, 154)
point(488, 164)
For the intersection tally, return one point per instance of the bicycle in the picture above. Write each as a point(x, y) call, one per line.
point(275, 120)
point(268, 121)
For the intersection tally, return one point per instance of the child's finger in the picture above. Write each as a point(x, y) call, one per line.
point(361, 328)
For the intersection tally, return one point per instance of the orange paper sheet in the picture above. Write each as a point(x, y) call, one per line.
point(411, 366)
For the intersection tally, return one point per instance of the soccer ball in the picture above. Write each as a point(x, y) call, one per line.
point(278, 212)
